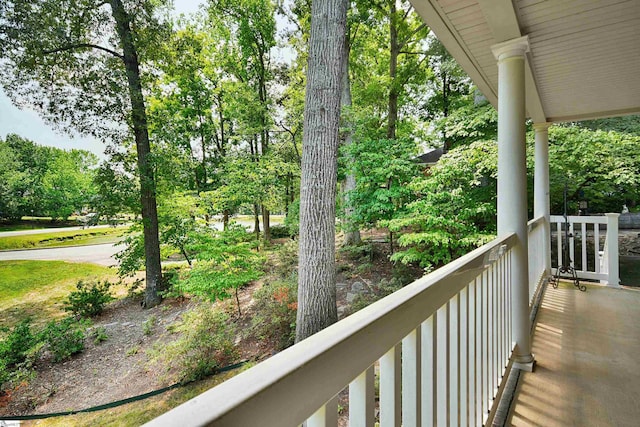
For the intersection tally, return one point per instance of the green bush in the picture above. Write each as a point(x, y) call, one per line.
point(276, 306)
point(90, 298)
point(226, 262)
point(17, 343)
point(18, 350)
point(206, 344)
point(99, 335)
point(64, 338)
point(279, 231)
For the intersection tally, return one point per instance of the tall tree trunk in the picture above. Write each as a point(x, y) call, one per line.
point(389, 182)
point(316, 282)
point(203, 164)
point(352, 233)
point(264, 135)
point(256, 221)
point(145, 168)
point(394, 51)
point(253, 144)
point(266, 224)
point(446, 145)
point(225, 219)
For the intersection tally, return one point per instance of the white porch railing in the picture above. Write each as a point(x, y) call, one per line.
point(581, 229)
point(440, 346)
point(538, 238)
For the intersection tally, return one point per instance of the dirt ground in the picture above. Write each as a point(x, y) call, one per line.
point(120, 366)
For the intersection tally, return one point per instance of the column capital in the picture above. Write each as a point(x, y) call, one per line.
point(541, 126)
point(511, 48)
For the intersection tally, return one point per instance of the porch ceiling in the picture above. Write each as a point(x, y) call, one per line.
point(584, 58)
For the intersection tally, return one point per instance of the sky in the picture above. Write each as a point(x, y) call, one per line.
point(28, 124)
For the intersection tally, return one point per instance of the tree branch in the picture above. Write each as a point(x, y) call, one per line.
point(82, 46)
point(407, 52)
point(406, 79)
point(409, 37)
point(406, 12)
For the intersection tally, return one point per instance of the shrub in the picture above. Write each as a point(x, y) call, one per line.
point(90, 298)
point(206, 344)
point(17, 343)
point(279, 231)
point(226, 262)
point(64, 338)
point(148, 325)
point(99, 335)
point(18, 350)
point(276, 306)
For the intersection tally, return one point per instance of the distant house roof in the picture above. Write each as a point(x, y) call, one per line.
point(431, 156)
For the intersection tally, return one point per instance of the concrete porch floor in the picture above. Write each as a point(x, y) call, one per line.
point(587, 350)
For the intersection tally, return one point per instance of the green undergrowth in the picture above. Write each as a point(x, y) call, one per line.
point(37, 289)
point(48, 238)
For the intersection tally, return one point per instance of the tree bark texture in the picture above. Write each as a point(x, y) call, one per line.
point(264, 133)
point(256, 221)
point(316, 282)
point(145, 168)
point(266, 224)
point(352, 233)
point(394, 52)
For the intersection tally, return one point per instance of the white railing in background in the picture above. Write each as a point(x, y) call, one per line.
point(586, 236)
point(440, 346)
point(537, 255)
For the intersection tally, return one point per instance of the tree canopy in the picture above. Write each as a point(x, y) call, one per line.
point(206, 118)
point(37, 180)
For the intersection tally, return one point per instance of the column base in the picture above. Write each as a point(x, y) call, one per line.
point(525, 363)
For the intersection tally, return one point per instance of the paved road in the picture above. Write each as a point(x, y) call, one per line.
point(97, 254)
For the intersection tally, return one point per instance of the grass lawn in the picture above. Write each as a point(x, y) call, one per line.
point(37, 288)
point(52, 238)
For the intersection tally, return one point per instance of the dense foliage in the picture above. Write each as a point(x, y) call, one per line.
point(226, 262)
point(36, 180)
point(599, 167)
point(455, 207)
point(220, 98)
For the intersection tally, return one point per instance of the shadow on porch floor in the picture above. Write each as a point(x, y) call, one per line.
point(587, 349)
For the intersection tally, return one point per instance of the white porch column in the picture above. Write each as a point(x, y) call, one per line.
point(512, 185)
point(541, 204)
point(613, 266)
